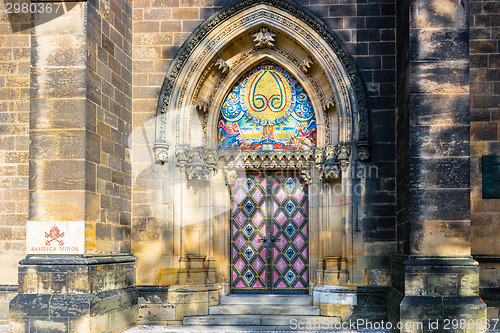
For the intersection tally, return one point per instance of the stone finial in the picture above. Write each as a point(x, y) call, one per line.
point(223, 65)
point(319, 156)
point(306, 64)
point(343, 151)
point(264, 38)
point(160, 150)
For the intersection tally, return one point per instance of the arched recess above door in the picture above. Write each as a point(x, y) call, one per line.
point(239, 37)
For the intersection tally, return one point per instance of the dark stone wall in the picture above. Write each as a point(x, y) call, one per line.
point(440, 278)
point(109, 123)
point(485, 135)
point(402, 125)
point(439, 129)
point(485, 115)
point(368, 31)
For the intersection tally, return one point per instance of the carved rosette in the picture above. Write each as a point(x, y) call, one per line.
point(160, 150)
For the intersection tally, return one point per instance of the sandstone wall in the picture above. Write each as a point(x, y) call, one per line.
point(109, 124)
point(14, 124)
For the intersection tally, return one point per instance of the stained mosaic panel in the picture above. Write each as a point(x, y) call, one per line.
point(269, 233)
point(267, 109)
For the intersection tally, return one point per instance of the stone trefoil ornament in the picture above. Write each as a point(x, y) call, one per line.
point(329, 103)
point(264, 38)
point(201, 106)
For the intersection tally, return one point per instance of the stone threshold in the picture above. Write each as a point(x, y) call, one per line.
point(235, 329)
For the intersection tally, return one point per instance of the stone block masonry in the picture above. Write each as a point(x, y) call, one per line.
point(484, 47)
point(80, 122)
point(75, 294)
point(441, 280)
point(14, 145)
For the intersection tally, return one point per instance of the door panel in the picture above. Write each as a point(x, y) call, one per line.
point(269, 233)
point(289, 258)
point(249, 227)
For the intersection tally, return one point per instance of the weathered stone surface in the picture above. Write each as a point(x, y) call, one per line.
point(119, 60)
point(47, 300)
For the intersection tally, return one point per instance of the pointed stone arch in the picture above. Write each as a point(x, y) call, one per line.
point(226, 45)
point(199, 176)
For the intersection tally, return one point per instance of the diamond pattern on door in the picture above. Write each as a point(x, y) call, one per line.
point(269, 239)
point(289, 218)
point(248, 228)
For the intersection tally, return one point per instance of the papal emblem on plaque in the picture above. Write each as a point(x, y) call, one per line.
point(53, 235)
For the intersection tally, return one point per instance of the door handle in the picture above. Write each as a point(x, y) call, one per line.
point(262, 240)
point(273, 239)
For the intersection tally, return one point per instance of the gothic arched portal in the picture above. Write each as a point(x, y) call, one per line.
point(257, 118)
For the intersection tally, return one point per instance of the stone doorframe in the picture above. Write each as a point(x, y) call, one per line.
point(207, 66)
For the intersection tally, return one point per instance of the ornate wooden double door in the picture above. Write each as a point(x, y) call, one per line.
point(269, 233)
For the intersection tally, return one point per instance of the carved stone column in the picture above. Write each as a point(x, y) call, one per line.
point(441, 280)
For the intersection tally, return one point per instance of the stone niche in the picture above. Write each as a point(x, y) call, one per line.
point(82, 293)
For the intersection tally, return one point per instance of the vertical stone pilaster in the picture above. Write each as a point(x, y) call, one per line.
point(78, 178)
point(441, 279)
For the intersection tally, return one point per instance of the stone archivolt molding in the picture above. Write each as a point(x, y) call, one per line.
point(265, 26)
point(202, 163)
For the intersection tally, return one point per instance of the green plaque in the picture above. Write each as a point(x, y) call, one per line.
point(491, 177)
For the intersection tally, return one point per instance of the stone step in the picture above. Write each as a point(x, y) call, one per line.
point(264, 309)
point(262, 320)
point(300, 300)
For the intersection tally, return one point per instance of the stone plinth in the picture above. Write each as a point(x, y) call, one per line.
point(335, 301)
point(197, 272)
point(192, 300)
point(153, 306)
point(75, 294)
point(332, 271)
point(164, 305)
point(441, 288)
